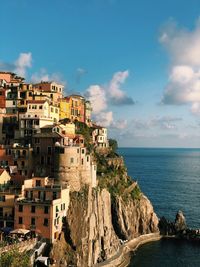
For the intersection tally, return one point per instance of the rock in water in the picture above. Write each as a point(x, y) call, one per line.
point(180, 222)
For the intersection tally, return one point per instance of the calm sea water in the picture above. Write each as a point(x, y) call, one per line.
point(171, 180)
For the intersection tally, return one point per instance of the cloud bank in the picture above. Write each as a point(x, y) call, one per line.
point(103, 97)
point(183, 47)
point(20, 66)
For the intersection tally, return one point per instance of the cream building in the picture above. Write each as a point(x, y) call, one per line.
point(4, 177)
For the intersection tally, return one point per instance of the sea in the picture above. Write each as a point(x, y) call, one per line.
point(170, 178)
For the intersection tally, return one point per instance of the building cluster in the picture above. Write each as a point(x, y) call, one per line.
point(42, 155)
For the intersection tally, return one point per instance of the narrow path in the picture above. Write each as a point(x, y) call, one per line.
point(121, 258)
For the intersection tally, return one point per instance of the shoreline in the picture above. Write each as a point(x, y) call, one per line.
point(122, 257)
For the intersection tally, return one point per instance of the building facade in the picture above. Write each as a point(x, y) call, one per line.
point(42, 207)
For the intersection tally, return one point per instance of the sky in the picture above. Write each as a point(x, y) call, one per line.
point(137, 61)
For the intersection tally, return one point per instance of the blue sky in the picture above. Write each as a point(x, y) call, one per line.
point(137, 61)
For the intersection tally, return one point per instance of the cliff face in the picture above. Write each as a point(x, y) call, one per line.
point(133, 218)
point(99, 217)
point(95, 226)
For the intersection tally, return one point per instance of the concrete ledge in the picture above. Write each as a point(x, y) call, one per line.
point(122, 257)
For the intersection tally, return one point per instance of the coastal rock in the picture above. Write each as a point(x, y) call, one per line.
point(89, 230)
point(133, 218)
point(95, 228)
point(173, 228)
point(180, 222)
point(166, 227)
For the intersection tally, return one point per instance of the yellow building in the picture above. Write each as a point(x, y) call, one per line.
point(73, 108)
point(65, 108)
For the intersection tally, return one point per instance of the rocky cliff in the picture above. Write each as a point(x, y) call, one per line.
point(99, 219)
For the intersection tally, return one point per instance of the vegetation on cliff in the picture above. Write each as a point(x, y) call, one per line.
point(112, 175)
point(14, 258)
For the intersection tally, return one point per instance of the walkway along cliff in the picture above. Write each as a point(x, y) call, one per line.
point(102, 218)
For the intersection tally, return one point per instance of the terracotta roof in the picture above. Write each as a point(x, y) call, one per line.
point(48, 135)
point(96, 126)
point(77, 96)
point(48, 126)
point(37, 101)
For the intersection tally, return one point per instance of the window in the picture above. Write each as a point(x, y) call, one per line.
point(20, 208)
point(63, 206)
point(40, 106)
point(82, 161)
point(2, 198)
point(13, 102)
point(32, 209)
point(37, 150)
point(23, 164)
point(71, 160)
point(38, 183)
point(46, 210)
point(49, 150)
point(77, 150)
point(54, 195)
point(37, 140)
point(32, 221)
point(87, 158)
point(83, 151)
point(20, 221)
point(24, 152)
point(48, 160)
point(46, 222)
point(42, 160)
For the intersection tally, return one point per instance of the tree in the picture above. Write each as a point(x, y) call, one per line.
point(113, 144)
point(14, 258)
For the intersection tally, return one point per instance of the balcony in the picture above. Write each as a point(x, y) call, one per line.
point(33, 201)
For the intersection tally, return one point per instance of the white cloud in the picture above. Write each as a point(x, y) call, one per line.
point(23, 62)
point(116, 94)
point(184, 79)
point(182, 44)
point(165, 123)
point(103, 97)
point(80, 72)
point(97, 96)
point(119, 124)
point(105, 118)
point(43, 75)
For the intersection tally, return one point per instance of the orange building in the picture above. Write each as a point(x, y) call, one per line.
point(2, 98)
point(10, 77)
point(41, 207)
